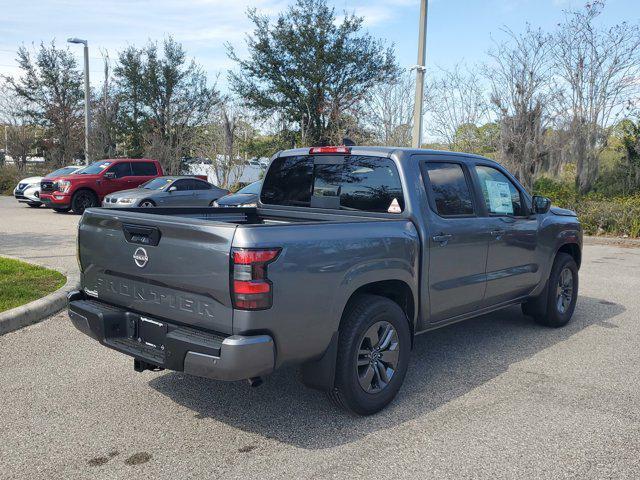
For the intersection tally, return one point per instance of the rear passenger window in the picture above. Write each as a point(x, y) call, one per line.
point(500, 194)
point(449, 188)
point(122, 169)
point(198, 185)
point(144, 169)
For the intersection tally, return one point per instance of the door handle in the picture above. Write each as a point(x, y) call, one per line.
point(442, 238)
point(497, 234)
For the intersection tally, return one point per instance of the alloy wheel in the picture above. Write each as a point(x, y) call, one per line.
point(378, 356)
point(564, 290)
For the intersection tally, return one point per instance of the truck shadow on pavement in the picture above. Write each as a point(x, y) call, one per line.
point(445, 364)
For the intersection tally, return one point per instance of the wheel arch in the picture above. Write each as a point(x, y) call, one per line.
point(572, 249)
point(320, 374)
point(398, 291)
point(85, 189)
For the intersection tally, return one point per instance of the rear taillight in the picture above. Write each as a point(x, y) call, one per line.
point(250, 285)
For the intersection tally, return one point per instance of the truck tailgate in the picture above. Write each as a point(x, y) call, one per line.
point(176, 268)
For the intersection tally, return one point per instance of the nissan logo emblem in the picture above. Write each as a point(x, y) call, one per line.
point(140, 257)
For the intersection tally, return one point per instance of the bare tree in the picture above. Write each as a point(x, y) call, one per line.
point(168, 145)
point(389, 111)
point(104, 118)
point(599, 70)
point(453, 99)
point(218, 139)
point(519, 75)
point(20, 135)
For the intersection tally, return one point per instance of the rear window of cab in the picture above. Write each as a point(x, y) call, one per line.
point(345, 182)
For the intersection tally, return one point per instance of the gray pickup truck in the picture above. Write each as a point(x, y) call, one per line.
point(350, 253)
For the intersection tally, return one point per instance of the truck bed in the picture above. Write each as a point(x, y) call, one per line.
point(256, 216)
point(175, 263)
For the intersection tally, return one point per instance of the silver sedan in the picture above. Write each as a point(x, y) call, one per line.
point(167, 192)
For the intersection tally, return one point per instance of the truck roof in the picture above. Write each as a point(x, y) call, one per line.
point(128, 160)
point(389, 151)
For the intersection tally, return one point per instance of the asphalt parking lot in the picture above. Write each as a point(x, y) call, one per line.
point(494, 397)
point(38, 235)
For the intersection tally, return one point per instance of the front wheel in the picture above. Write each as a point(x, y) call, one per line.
point(373, 355)
point(82, 200)
point(147, 204)
point(561, 294)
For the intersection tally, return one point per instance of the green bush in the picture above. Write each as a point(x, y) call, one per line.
point(599, 214)
point(562, 193)
point(10, 175)
point(610, 216)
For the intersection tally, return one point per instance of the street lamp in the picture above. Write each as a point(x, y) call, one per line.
point(86, 95)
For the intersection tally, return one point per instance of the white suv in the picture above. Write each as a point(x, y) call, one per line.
point(28, 190)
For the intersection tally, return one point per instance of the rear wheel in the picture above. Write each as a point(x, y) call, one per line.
point(561, 294)
point(82, 200)
point(61, 210)
point(373, 355)
point(34, 204)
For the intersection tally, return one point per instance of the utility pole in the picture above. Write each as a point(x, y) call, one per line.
point(87, 97)
point(416, 137)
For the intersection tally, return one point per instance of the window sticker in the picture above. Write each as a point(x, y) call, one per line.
point(499, 197)
point(394, 207)
point(105, 165)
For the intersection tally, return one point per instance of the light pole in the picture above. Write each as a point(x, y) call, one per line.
point(416, 137)
point(86, 96)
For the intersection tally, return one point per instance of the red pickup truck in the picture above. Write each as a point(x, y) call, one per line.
point(87, 187)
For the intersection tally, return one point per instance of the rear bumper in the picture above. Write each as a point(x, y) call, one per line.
point(183, 349)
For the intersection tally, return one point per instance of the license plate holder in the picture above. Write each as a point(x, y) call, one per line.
point(152, 332)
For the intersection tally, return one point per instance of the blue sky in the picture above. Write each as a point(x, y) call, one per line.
point(458, 31)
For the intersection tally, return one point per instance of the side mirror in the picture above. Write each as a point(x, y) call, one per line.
point(541, 204)
point(110, 175)
point(172, 189)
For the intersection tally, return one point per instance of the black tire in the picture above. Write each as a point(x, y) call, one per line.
point(556, 305)
point(82, 200)
point(146, 203)
point(34, 204)
point(61, 210)
point(362, 316)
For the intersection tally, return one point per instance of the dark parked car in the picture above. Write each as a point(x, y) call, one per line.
point(245, 197)
point(351, 252)
point(167, 192)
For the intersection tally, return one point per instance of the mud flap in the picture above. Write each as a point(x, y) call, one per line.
point(320, 374)
point(537, 305)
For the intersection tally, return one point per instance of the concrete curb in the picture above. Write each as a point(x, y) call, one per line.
point(616, 241)
point(40, 309)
